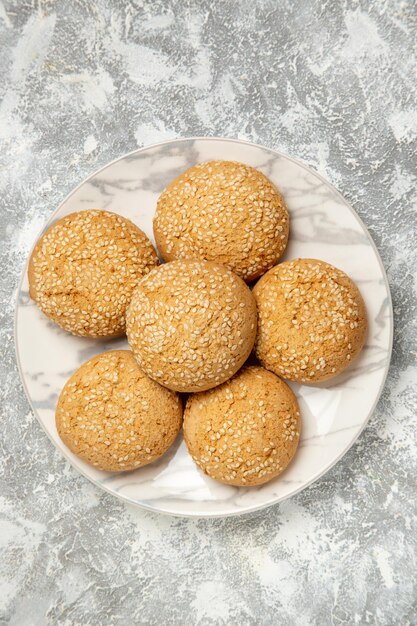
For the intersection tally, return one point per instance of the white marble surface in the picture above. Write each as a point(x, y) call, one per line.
point(330, 83)
point(334, 413)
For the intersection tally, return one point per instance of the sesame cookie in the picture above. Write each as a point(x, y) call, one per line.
point(191, 324)
point(246, 431)
point(114, 417)
point(84, 269)
point(312, 320)
point(225, 212)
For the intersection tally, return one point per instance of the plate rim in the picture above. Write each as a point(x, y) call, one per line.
point(315, 477)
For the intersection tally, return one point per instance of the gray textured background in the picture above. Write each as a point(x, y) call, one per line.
point(330, 82)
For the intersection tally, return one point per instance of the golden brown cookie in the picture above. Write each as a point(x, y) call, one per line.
point(114, 417)
point(225, 212)
point(246, 431)
point(191, 324)
point(312, 320)
point(84, 269)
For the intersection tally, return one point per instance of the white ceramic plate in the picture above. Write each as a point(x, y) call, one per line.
point(323, 226)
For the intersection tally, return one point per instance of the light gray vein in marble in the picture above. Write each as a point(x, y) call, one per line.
point(331, 83)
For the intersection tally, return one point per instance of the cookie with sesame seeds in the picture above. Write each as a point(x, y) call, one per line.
point(226, 212)
point(312, 320)
point(191, 324)
point(83, 270)
point(246, 431)
point(114, 417)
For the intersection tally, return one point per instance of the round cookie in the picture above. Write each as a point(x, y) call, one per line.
point(226, 212)
point(84, 269)
point(191, 324)
point(312, 320)
point(114, 417)
point(246, 431)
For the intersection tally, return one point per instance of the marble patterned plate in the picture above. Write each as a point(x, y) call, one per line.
point(323, 226)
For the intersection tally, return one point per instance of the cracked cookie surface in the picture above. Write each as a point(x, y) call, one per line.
point(83, 270)
point(312, 321)
point(191, 324)
point(246, 431)
point(115, 417)
point(226, 212)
